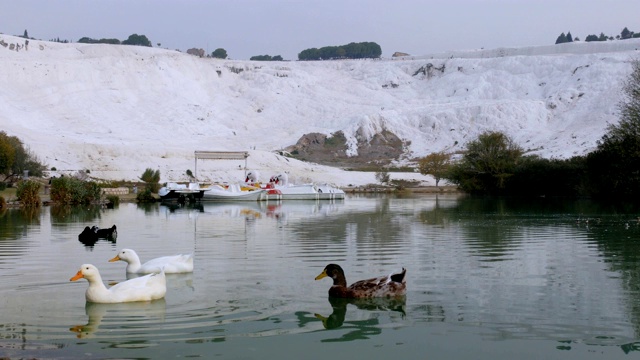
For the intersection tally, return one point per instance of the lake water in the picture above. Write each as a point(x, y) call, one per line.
point(487, 279)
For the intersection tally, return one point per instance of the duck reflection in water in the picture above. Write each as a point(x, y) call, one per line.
point(364, 327)
point(119, 316)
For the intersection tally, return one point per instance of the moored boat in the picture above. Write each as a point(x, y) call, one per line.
point(297, 192)
point(181, 192)
point(232, 192)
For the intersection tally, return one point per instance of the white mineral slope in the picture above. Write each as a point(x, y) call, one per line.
point(117, 110)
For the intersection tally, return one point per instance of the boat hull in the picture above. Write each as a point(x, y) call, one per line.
point(310, 192)
point(219, 193)
point(181, 192)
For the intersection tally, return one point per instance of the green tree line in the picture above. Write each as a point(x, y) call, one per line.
point(133, 39)
point(624, 34)
point(350, 51)
point(266, 58)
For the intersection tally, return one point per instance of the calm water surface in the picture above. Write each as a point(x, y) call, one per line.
point(487, 279)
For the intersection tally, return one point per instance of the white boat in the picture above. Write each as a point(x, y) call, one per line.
point(232, 193)
point(181, 192)
point(297, 192)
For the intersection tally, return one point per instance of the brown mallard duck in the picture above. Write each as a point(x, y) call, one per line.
point(392, 285)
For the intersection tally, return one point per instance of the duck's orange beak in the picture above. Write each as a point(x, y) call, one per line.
point(116, 258)
point(323, 274)
point(77, 276)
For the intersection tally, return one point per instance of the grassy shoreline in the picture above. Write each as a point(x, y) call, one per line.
point(11, 198)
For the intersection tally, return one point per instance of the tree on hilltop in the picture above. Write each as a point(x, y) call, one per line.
point(219, 53)
point(135, 39)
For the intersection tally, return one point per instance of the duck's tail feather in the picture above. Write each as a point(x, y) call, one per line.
point(399, 277)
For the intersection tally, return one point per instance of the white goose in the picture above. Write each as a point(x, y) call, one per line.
point(173, 264)
point(145, 288)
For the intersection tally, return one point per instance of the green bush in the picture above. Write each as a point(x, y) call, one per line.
point(27, 193)
point(67, 190)
point(535, 176)
point(113, 200)
point(487, 165)
point(3, 186)
point(145, 196)
point(152, 179)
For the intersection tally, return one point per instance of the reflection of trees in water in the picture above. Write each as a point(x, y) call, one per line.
point(63, 214)
point(618, 238)
point(493, 228)
point(149, 208)
point(436, 216)
point(378, 226)
point(16, 223)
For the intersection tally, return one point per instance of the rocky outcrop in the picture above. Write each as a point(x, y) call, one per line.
point(381, 149)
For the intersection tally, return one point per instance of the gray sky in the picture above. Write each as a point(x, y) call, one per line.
point(285, 27)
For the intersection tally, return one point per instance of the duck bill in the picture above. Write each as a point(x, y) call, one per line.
point(116, 258)
point(323, 274)
point(77, 276)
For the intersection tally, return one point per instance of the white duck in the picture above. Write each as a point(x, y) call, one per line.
point(145, 288)
point(173, 264)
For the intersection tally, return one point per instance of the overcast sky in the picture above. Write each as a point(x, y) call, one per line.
point(285, 27)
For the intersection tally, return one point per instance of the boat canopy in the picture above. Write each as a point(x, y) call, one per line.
point(220, 155)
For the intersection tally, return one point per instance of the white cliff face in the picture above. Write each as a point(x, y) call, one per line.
point(117, 110)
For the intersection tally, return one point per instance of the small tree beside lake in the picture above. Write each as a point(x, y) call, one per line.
point(435, 164)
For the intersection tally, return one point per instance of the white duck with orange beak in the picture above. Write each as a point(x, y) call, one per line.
point(144, 288)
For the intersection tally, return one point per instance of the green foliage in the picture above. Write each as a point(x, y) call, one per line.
point(614, 167)
point(350, 51)
point(113, 200)
point(435, 164)
point(590, 38)
point(487, 164)
point(535, 176)
point(15, 158)
point(562, 38)
point(152, 179)
point(135, 39)
point(27, 193)
point(266, 58)
point(88, 40)
point(3, 186)
point(68, 190)
point(7, 154)
point(219, 53)
point(145, 196)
